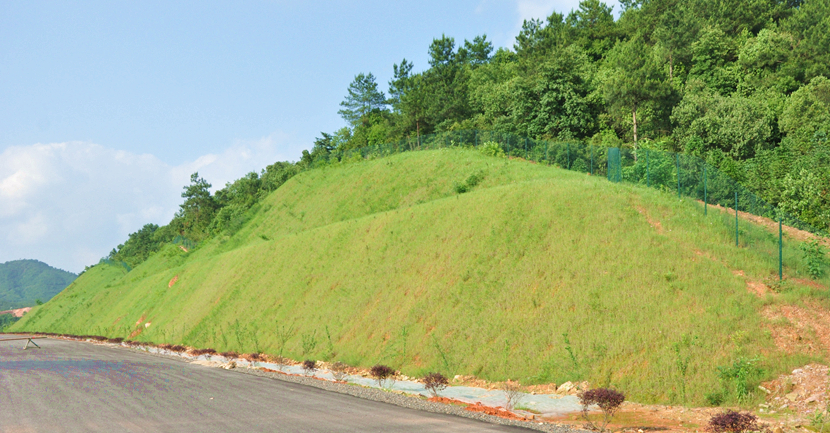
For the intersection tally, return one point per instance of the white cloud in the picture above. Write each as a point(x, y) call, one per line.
point(68, 204)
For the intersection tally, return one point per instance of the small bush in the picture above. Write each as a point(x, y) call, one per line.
point(338, 370)
point(608, 400)
point(472, 181)
point(491, 148)
point(512, 393)
point(434, 383)
point(714, 398)
point(815, 257)
point(741, 374)
point(382, 374)
point(254, 357)
point(310, 366)
point(733, 422)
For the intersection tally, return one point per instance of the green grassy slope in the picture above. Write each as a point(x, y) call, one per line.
point(24, 281)
point(537, 274)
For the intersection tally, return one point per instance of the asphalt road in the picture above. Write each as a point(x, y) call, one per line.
point(78, 387)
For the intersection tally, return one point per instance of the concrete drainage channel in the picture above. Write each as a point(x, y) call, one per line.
point(404, 393)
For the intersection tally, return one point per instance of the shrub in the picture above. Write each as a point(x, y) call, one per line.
point(815, 257)
point(254, 357)
point(310, 366)
point(733, 422)
point(512, 393)
point(472, 181)
point(714, 398)
point(382, 374)
point(338, 370)
point(491, 148)
point(740, 374)
point(608, 400)
point(434, 383)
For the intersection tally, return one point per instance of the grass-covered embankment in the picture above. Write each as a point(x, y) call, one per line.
point(536, 274)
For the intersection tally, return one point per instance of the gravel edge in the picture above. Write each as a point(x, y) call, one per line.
point(375, 394)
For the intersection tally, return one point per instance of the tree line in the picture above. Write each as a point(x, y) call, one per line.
point(742, 84)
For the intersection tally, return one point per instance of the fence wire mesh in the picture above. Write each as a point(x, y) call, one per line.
point(684, 175)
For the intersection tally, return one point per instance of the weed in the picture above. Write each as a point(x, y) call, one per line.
point(608, 400)
point(382, 374)
point(739, 375)
point(733, 422)
point(682, 362)
point(310, 366)
point(338, 370)
point(309, 342)
point(512, 393)
point(283, 335)
point(715, 398)
point(434, 383)
point(329, 346)
point(571, 353)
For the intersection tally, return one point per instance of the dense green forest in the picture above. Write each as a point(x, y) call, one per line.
point(740, 83)
point(25, 282)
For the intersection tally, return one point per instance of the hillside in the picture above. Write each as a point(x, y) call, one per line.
point(537, 274)
point(22, 282)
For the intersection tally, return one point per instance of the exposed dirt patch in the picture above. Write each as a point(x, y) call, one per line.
point(173, 281)
point(635, 417)
point(807, 328)
point(18, 312)
point(497, 411)
point(651, 221)
point(803, 391)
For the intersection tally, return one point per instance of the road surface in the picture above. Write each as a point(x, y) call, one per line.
point(71, 386)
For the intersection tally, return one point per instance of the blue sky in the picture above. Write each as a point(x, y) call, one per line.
point(107, 107)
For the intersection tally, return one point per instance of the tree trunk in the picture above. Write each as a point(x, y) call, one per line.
point(418, 131)
point(671, 66)
point(634, 118)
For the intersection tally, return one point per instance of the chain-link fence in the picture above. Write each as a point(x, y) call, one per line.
point(685, 175)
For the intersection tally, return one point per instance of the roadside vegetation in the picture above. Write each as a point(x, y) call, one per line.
point(535, 274)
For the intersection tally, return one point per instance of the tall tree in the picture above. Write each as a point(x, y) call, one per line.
point(363, 96)
point(633, 80)
point(198, 209)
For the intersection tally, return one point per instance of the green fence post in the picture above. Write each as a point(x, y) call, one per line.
point(780, 249)
point(677, 163)
point(648, 173)
point(704, 189)
point(736, 218)
point(568, 150)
